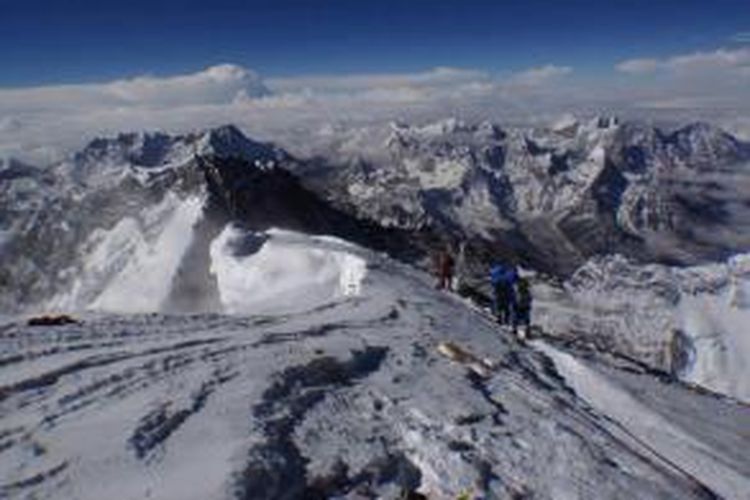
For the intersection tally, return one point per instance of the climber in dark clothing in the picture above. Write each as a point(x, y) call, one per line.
point(445, 268)
point(502, 279)
point(522, 310)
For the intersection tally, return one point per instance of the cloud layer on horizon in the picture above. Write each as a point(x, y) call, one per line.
point(730, 60)
point(717, 80)
point(40, 123)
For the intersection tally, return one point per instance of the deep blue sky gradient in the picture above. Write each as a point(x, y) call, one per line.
point(43, 42)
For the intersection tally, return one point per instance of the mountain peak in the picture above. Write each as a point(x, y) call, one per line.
point(158, 149)
point(11, 168)
point(228, 141)
point(449, 131)
point(709, 142)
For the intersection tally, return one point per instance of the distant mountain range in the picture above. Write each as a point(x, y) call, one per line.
point(553, 197)
point(547, 198)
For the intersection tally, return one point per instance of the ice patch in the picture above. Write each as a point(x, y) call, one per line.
point(718, 331)
point(282, 272)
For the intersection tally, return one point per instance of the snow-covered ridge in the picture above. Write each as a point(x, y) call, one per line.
point(124, 189)
point(308, 366)
point(142, 210)
point(348, 399)
point(548, 198)
point(133, 267)
point(130, 268)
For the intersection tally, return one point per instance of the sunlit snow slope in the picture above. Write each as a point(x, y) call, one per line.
point(342, 396)
point(128, 270)
point(130, 267)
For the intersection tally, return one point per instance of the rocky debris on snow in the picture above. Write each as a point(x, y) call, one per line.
point(52, 320)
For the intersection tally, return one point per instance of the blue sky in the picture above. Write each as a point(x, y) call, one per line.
point(46, 42)
point(71, 70)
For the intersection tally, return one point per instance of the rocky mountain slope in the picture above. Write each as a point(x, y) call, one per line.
point(547, 198)
point(688, 322)
point(553, 197)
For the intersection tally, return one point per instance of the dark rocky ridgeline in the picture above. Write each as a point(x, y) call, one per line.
point(262, 198)
point(258, 199)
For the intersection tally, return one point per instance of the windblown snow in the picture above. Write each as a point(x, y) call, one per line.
point(717, 324)
point(655, 428)
point(288, 273)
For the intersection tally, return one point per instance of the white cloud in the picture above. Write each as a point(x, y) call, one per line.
point(215, 85)
point(536, 77)
point(415, 88)
point(41, 122)
point(709, 61)
point(705, 83)
point(638, 66)
point(742, 37)
point(66, 116)
point(437, 77)
point(732, 60)
point(218, 84)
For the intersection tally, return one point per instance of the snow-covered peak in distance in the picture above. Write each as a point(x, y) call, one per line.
point(449, 129)
point(228, 141)
point(708, 144)
point(252, 84)
point(143, 152)
point(156, 149)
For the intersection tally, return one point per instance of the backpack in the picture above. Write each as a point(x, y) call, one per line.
point(523, 294)
point(497, 274)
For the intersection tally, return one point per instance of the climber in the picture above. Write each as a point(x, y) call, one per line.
point(445, 267)
point(502, 279)
point(522, 309)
